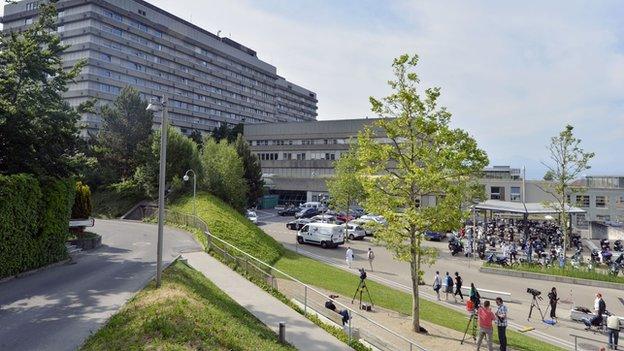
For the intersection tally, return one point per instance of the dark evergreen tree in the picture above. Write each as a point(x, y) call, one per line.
point(125, 136)
point(38, 129)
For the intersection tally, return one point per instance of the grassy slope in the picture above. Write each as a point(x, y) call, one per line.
point(112, 204)
point(187, 313)
point(233, 227)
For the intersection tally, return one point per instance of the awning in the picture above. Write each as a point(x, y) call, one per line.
point(523, 208)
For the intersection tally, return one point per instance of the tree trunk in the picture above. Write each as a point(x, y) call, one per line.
point(415, 268)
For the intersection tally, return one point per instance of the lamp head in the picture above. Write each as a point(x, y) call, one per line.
point(154, 105)
point(186, 177)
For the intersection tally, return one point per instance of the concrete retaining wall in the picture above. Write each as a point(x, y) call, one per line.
point(552, 278)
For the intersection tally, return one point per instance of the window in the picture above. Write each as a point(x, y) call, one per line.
point(619, 201)
point(497, 193)
point(60, 29)
point(581, 221)
point(28, 21)
point(582, 200)
point(31, 6)
point(515, 193)
point(142, 13)
point(601, 201)
point(105, 57)
point(109, 88)
point(287, 156)
point(113, 15)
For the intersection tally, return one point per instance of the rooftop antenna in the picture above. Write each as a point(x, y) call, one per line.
point(219, 33)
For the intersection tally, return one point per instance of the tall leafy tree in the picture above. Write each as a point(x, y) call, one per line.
point(225, 132)
point(345, 187)
point(224, 173)
point(182, 155)
point(253, 171)
point(567, 161)
point(125, 134)
point(420, 178)
point(38, 129)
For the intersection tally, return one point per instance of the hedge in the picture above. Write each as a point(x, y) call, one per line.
point(82, 202)
point(34, 221)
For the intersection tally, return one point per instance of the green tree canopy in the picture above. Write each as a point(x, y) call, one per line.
point(38, 129)
point(182, 155)
point(420, 178)
point(125, 135)
point(224, 173)
point(345, 186)
point(567, 161)
point(253, 171)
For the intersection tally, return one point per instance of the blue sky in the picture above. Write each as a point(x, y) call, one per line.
point(512, 73)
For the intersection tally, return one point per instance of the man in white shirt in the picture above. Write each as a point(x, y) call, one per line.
point(613, 329)
point(437, 284)
point(349, 256)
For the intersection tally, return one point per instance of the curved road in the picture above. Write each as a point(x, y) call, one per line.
point(397, 274)
point(58, 308)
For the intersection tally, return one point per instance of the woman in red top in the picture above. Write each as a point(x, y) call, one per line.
point(486, 316)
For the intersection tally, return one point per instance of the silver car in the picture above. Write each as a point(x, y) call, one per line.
point(355, 231)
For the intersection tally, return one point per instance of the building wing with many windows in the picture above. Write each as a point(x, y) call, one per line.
point(209, 80)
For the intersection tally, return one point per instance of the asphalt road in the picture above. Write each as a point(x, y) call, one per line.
point(397, 274)
point(58, 308)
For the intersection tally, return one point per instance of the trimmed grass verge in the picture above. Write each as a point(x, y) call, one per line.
point(229, 225)
point(567, 271)
point(187, 313)
point(111, 203)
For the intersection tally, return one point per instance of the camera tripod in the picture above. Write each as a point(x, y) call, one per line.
point(360, 289)
point(472, 320)
point(535, 303)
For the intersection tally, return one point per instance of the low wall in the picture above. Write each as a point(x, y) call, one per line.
point(552, 278)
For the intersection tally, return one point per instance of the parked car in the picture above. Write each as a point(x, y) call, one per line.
point(297, 223)
point(289, 211)
point(323, 218)
point(433, 236)
point(307, 213)
point(324, 234)
point(362, 223)
point(376, 218)
point(252, 216)
point(355, 231)
point(343, 217)
point(358, 211)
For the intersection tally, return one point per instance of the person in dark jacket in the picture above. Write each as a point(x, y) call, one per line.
point(553, 299)
point(458, 286)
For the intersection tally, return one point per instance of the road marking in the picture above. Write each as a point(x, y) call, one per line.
point(540, 335)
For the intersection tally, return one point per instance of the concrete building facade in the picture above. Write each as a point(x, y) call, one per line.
point(297, 159)
point(208, 80)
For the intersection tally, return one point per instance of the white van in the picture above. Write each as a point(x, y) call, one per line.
point(324, 234)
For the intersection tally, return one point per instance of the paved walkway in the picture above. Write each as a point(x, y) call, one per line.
point(300, 332)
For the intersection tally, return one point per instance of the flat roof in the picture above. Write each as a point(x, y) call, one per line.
point(524, 208)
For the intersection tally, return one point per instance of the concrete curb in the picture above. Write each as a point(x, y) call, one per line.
point(552, 278)
point(33, 271)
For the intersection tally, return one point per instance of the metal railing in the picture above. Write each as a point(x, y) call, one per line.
point(311, 299)
point(576, 337)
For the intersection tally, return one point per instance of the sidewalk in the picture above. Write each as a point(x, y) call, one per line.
point(300, 332)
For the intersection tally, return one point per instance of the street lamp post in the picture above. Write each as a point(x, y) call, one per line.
point(155, 106)
point(186, 178)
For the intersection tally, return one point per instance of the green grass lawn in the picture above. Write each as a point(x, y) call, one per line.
point(231, 226)
point(111, 203)
point(187, 313)
point(225, 223)
point(567, 271)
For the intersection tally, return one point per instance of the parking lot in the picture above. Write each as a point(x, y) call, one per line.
point(397, 274)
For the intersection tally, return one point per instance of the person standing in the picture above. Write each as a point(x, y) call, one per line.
point(449, 285)
point(349, 256)
point(485, 325)
point(475, 297)
point(599, 309)
point(553, 299)
point(458, 286)
point(613, 327)
point(437, 284)
point(501, 323)
point(371, 256)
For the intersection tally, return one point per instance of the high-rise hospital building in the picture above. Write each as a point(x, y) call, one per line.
point(208, 80)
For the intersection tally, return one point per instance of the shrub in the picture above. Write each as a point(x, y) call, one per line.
point(34, 221)
point(82, 202)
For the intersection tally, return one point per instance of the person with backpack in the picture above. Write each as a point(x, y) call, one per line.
point(458, 286)
point(371, 256)
point(437, 284)
point(449, 285)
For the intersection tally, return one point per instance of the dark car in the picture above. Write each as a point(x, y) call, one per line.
point(307, 213)
point(433, 236)
point(290, 211)
point(297, 223)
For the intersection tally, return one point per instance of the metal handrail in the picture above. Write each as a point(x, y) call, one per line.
point(351, 311)
point(584, 338)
